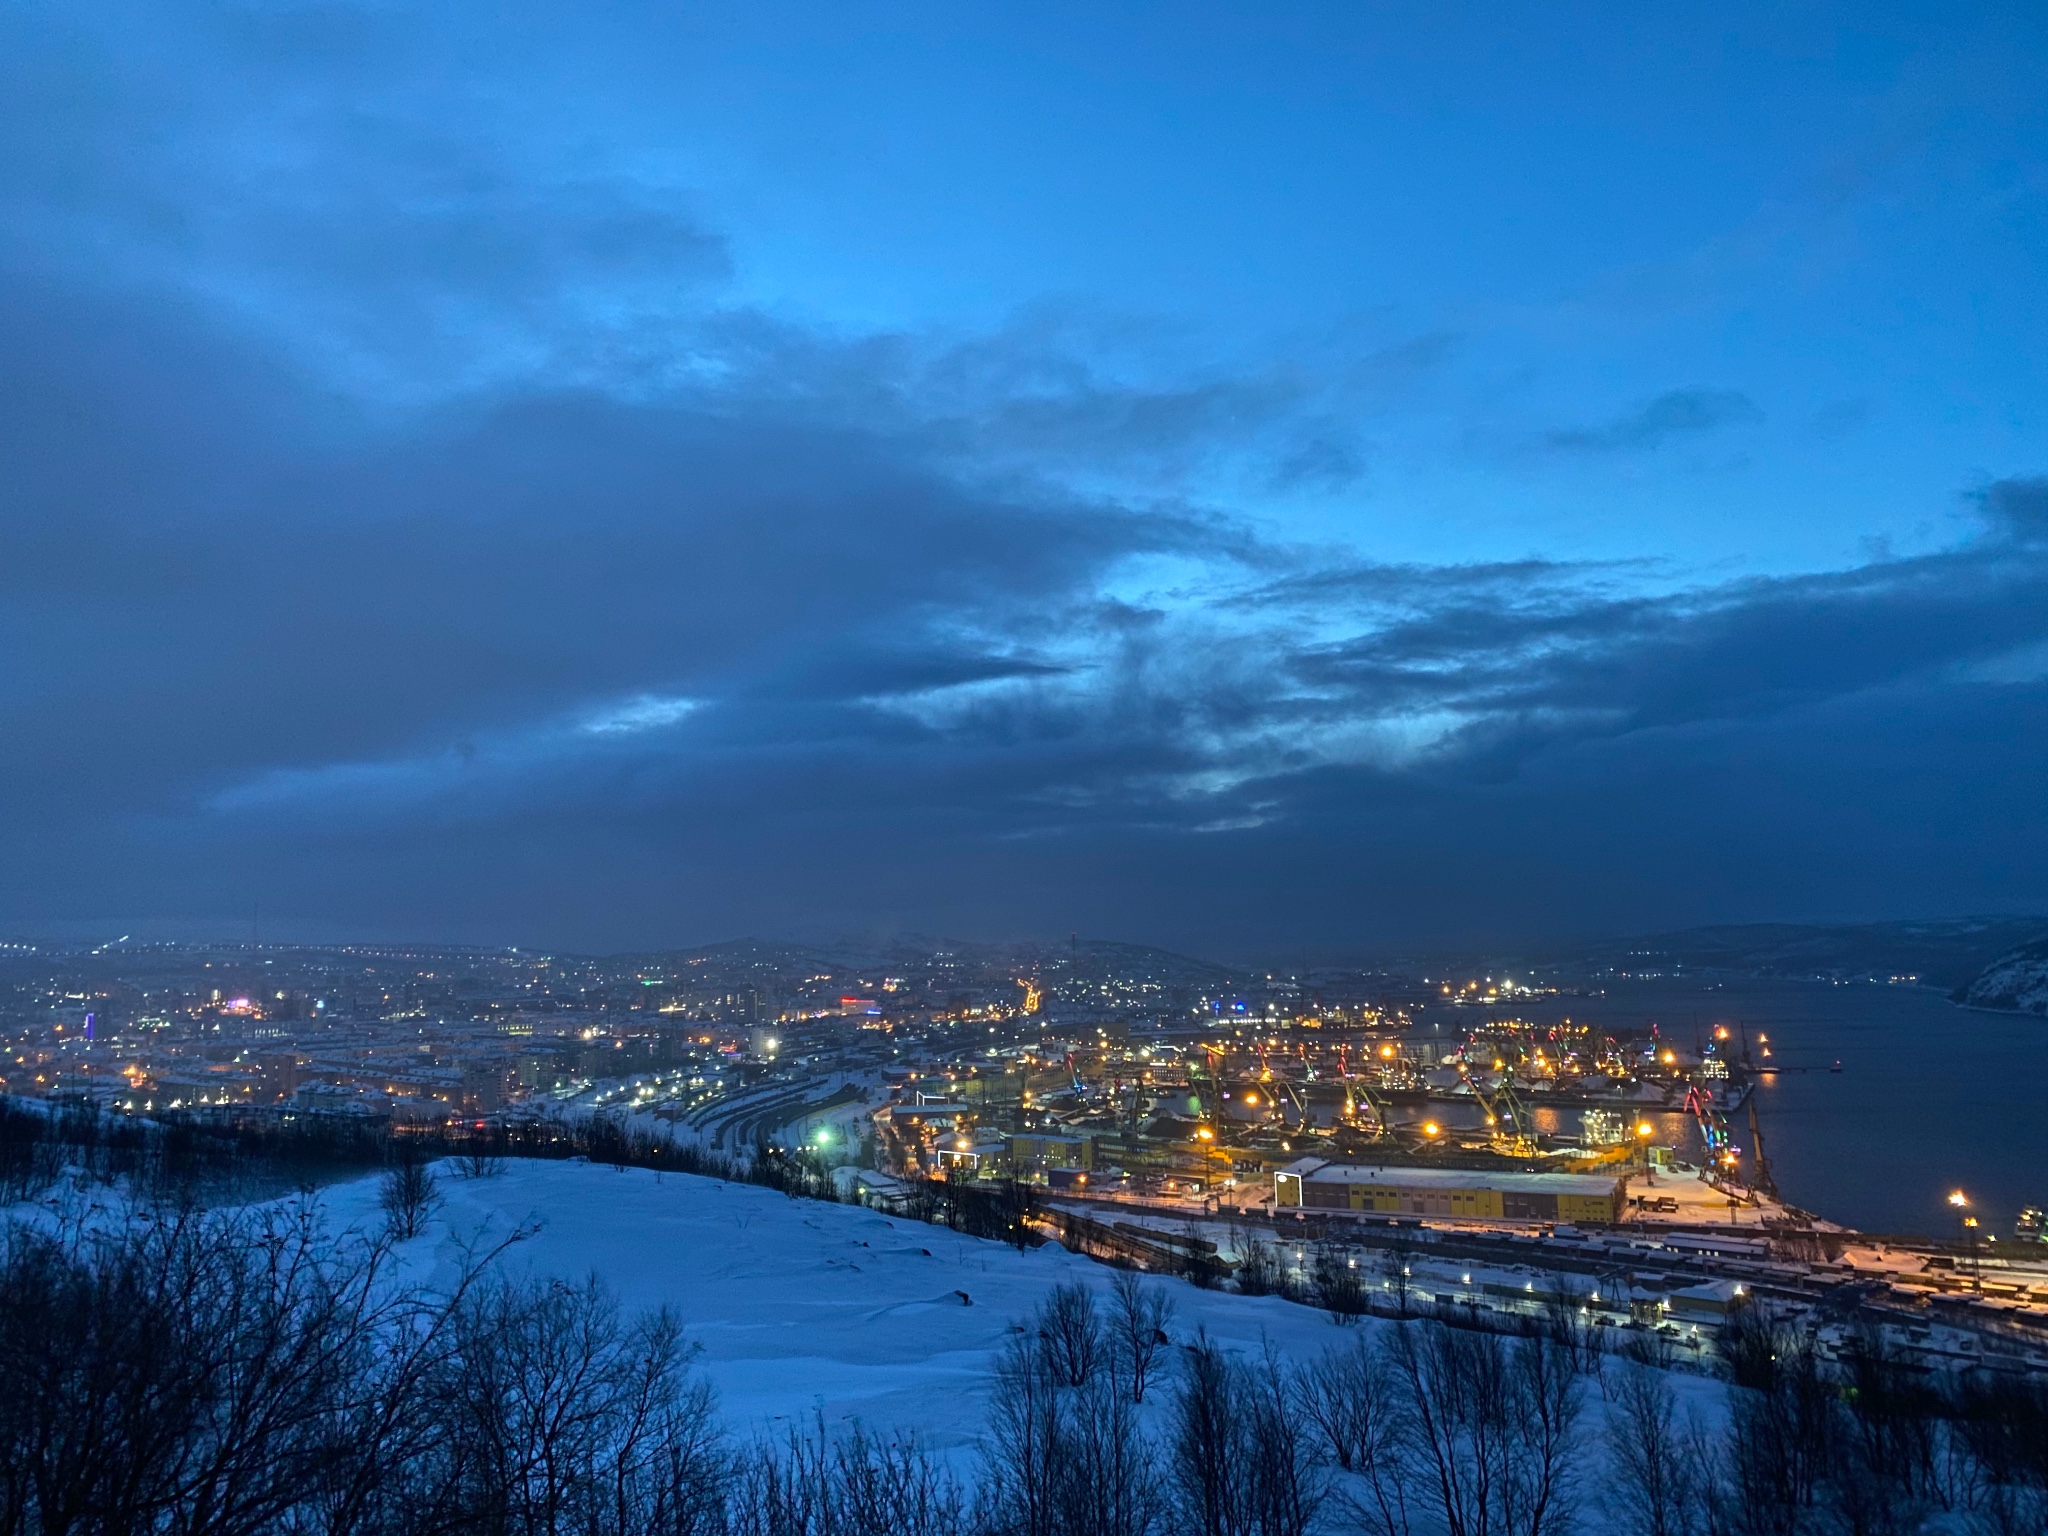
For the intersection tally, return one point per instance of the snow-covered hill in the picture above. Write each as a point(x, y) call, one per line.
point(2017, 981)
point(799, 1306)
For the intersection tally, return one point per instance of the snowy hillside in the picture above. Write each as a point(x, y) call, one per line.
point(799, 1305)
point(2017, 981)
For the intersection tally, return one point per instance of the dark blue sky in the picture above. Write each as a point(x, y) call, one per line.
point(1316, 476)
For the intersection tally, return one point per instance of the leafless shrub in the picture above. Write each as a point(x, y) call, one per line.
point(1338, 1283)
point(1260, 1270)
point(1351, 1398)
point(1650, 1347)
point(1491, 1424)
point(482, 1155)
point(1070, 1333)
point(1064, 1460)
point(1654, 1485)
point(561, 1416)
point(1208, 1477)
point(1138, 1319)
point(407, 1194)
point(857, 1486)
point(1021, 1446)
point(1784, 1425)
point(1240, 1464)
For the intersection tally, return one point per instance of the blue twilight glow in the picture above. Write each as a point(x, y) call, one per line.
point(1214, 474)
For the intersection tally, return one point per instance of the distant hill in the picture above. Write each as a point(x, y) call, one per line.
point(1949, 954)
point(2017, 980)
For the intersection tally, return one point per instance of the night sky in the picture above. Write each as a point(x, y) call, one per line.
point(1238, 477)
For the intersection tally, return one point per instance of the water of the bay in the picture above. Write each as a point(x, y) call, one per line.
point(1931, 1098)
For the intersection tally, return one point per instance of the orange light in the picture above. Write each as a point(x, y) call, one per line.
point(1431, 1128)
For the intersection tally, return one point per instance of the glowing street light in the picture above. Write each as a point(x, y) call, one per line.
point(1968, 1233)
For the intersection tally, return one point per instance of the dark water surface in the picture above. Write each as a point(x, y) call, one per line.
point(1930, 1098)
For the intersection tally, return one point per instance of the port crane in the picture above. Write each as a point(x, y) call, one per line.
point(1357, 1088)
point(1761, 1179)
point(1504, 1109)
point(1720, 1141)
point(1713, 1124)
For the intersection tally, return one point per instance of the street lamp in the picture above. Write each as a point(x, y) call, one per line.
point(1967, 1225)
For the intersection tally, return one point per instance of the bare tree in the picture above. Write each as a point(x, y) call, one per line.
point(229, 1374)
point(857, 1486)
point(1456, 1401)
point(1491, 1428)
point(1545, 1397)
point(1396, 1264)
point(1103, 1471)
point(1021, 1447)
point(1889, 1472)
point(1653, 1487)
point(1785, 1423)
point(407, 1193)
point(1349, 1396)
point(1062, 1459)
point(1284, 1479)
point(562, 1416)
point(1071, 1335)
point(1207, 1472)
point(1240, 1464)
point(1260, 1270)
point(1569, 1323)
point(1338, 1283)
point(1138, 1319)
point(483, 1154)
point(1199, 1265)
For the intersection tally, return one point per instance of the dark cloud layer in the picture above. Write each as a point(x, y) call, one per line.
point(601, 670)
point(403, 539)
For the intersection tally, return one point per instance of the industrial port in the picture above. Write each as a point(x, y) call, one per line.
point(1449, 1143)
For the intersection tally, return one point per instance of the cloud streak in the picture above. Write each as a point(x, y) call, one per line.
point(401, 526)
point(1675, 413)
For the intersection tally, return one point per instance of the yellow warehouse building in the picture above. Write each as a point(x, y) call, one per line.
point(1313, 1184)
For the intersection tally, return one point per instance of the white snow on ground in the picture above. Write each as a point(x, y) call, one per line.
point(800, 1306)
point(797, 1305)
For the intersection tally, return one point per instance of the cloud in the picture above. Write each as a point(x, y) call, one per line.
point(403, 526)
point(1675, 413)
point(2016, 509)
point(423, 670)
